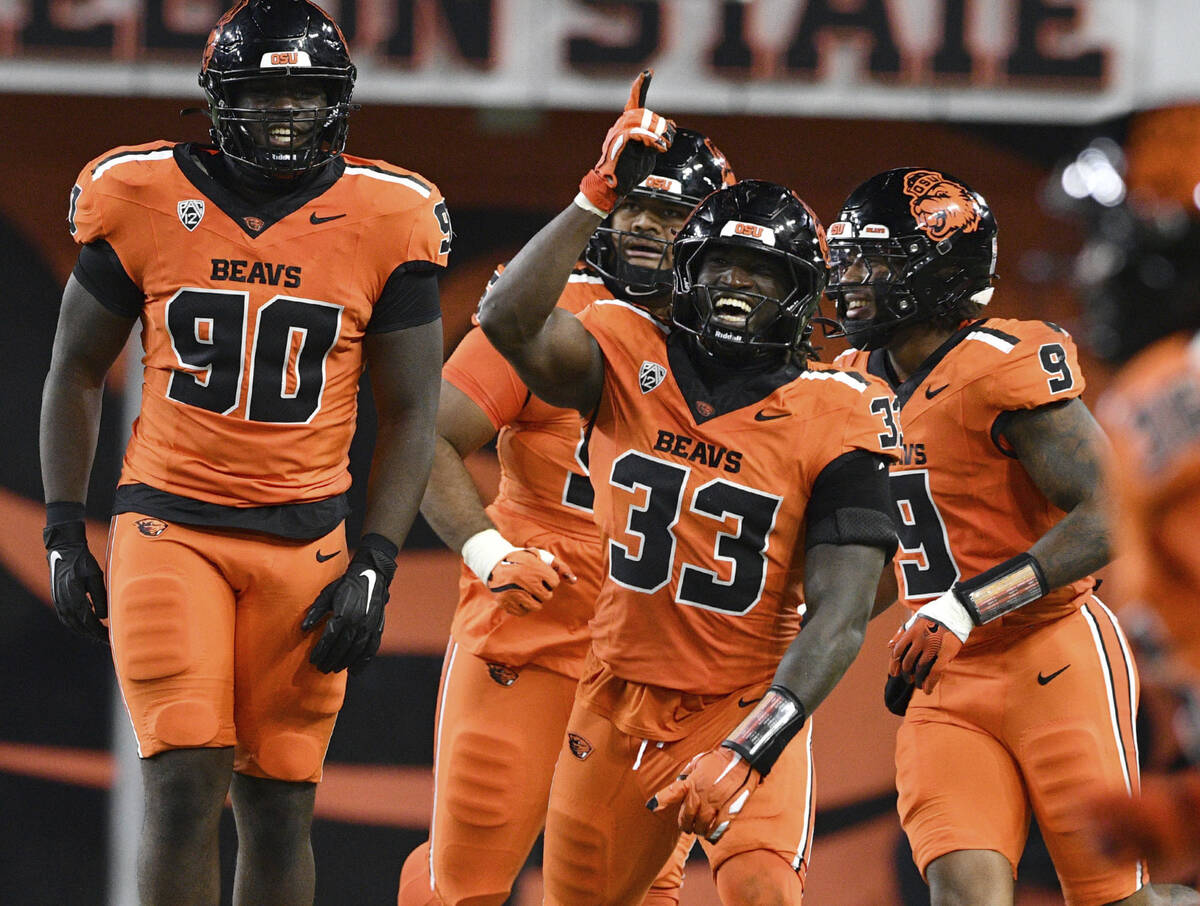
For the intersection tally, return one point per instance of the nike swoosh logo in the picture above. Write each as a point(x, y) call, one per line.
point(321, 558)
point(371, 577)
point(761, 416)
point(55, 556)
point(743, 703)
point(1042, 680)
point(930, 392)
point(314, 219)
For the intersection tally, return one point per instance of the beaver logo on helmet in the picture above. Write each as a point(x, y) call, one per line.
point(939, 205)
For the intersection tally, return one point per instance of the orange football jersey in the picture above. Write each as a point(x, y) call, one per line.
point(1152, 415)
point(252, 329)
point(965, 502)
point(539, 445)
point(544, 490)
point(703, 510)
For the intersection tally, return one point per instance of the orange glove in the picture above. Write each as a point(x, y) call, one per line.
point(930, 640)
point(629, 151)
point(711, 791)
point(1161, 825)
point(525, 578)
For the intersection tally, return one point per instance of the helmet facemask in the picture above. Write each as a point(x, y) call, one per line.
point(278, 79)
point(282, 141)
point(636, 264)
point(682, 177)
point(737, 325)
point(882, 285)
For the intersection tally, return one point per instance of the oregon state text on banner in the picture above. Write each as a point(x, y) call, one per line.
point(1054, 60)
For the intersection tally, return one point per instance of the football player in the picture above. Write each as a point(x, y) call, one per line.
point(266, 273)
point(1020, 690)
point(519, 637)
point(727, 470)
point(1140, 276)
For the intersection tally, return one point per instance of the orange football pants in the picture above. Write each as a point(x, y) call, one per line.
point(603, 846)
point(206, 640)
point(497, 736)
point(1036, 721)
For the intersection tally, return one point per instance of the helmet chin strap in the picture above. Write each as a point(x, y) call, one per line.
point(258, 184)
point(731, 358)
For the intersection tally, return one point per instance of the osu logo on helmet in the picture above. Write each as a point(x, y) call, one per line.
point(939, 205)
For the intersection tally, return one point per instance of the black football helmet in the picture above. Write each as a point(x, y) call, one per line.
point(1138, 272)
point(289, 43)
point(936, 234)
point(1138, 276)
point(685, 174)
point(773, 221)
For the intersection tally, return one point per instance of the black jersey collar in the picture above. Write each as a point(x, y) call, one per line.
point(253, 217)
point(712, 390)
point(879, 365)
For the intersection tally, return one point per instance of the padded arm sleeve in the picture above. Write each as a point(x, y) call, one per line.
point(101, 273)
point(852, 503)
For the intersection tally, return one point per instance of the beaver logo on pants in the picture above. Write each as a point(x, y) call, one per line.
point(503, 675)
point(579, 746)
point(151, 528)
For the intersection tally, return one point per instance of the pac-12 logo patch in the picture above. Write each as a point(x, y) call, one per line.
point(191, 212)
point(579, 746)
point(151, 528)
point(650, 375)
point(502, 674)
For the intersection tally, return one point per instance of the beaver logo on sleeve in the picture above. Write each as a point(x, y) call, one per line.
point(939, 205)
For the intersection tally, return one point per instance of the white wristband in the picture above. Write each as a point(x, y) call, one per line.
point(584, 202)
point(948, 610)
point(483, 550)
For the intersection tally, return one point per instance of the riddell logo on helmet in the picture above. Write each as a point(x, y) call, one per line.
point(939, 205)
point(749, 231)
point(285, 58)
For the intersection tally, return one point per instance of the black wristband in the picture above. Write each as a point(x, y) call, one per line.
point(64, 511)
point(379, 552)
point(61, 534)
point(1006, 587)
point(762, 736)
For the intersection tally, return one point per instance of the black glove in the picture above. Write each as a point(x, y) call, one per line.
point(76, 581)
point(355, 605)
point(896, 694)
